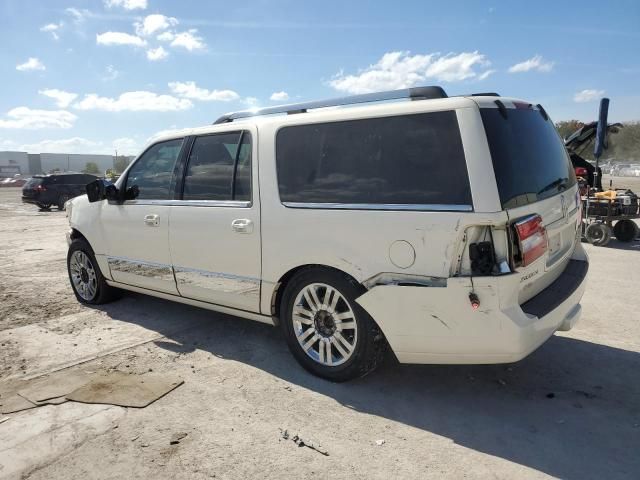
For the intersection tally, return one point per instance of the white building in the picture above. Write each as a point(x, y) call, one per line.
point(25, 163)
point(13, 162)
point(73, 162)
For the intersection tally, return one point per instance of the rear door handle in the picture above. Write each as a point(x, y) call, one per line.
point(242, 225)
point(152, 220)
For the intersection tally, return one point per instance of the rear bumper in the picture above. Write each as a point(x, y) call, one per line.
point(438, 325)
point(30, 200)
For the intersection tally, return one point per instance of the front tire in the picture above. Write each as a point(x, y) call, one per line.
point(87, 281)
point(62, 199)
point(328, 333)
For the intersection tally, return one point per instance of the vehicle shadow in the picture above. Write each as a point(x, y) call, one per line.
point(633, 245)
point(570, 410)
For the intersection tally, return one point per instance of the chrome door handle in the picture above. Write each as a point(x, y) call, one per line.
point(152, 220)
point(242, 225)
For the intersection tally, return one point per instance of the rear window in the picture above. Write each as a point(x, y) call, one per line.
point(33, 182)
point(529, 158)
point(401, 160)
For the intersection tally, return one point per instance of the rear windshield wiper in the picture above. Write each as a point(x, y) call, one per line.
point(560, 184)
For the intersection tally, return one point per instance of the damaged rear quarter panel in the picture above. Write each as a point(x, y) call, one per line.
point(437, 320)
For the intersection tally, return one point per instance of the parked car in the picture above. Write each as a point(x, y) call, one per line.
point(15, 181)
point(618, 168)
point(445, 228)
point(55, 189)
point(630, 171)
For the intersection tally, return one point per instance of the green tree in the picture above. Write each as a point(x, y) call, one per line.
point(121, 163)
point(91, 167)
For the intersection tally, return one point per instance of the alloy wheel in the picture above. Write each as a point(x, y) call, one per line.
point(324, 324)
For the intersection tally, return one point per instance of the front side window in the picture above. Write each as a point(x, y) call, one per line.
point(153, 172)
point(219, 168)
point(411, 160)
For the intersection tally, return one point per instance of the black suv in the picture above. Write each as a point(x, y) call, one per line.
point(55, 189)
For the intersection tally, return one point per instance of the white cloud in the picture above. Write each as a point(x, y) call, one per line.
point(140, 101)
point(191, 90)
point(154, 23)
point(484, 75)
point(401, 70)
point(111, 73)
point(79, 15)
point(155, 54)
point(31, 65)
point(166, 36)
point(587, 95)
point(126, 146)
point(454, 68)
point(63, 99)
point(126, 4)
point(27, 118)
point(536, 63)
point(188, 40)
point(53, 29)
point(251, 102)
point(279, 96)
point(119, 38)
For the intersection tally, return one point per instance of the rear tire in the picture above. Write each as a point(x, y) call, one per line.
point(87, 281)
point(598, 234)
point(625, 230)
point(44, 206)
point(328, 333)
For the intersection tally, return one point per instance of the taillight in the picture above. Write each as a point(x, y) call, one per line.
point(532, 239)
point(40, 188)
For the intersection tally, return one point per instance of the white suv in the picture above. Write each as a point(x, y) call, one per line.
point(445, 228)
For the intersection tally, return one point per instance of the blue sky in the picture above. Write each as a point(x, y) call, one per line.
point(92, 76)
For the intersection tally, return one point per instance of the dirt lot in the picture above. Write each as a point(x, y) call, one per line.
point(570, 410)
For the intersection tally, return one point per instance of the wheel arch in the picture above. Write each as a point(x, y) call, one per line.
point(281, 284)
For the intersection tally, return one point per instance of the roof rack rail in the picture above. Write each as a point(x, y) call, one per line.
point(415, 93)
point(485, 94)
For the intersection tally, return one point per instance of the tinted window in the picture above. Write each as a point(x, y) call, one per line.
point(33, 182)
point(153, 172)
point(411, 159)
point(212, 166)
point(529, 158)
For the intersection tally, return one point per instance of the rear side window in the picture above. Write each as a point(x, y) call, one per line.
point(33, 182)
point(219, 168)
point(401, 160)
point(153, 171)
point(529, 157)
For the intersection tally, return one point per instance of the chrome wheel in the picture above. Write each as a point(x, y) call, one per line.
point(83, 275)
point(324, 324)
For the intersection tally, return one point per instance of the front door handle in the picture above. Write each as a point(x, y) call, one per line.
point(242, 225)
point(152, 220)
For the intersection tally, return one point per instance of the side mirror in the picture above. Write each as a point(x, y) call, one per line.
point(100, 189)
point(132, 193)
point(95, 191)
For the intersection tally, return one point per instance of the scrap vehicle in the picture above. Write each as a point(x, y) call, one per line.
point(443, 228)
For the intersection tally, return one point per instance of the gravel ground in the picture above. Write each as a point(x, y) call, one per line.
point(570, 410)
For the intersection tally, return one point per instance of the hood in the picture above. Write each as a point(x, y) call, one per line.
point(586, 134)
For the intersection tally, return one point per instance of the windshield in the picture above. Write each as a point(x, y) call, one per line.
point(529, 157)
